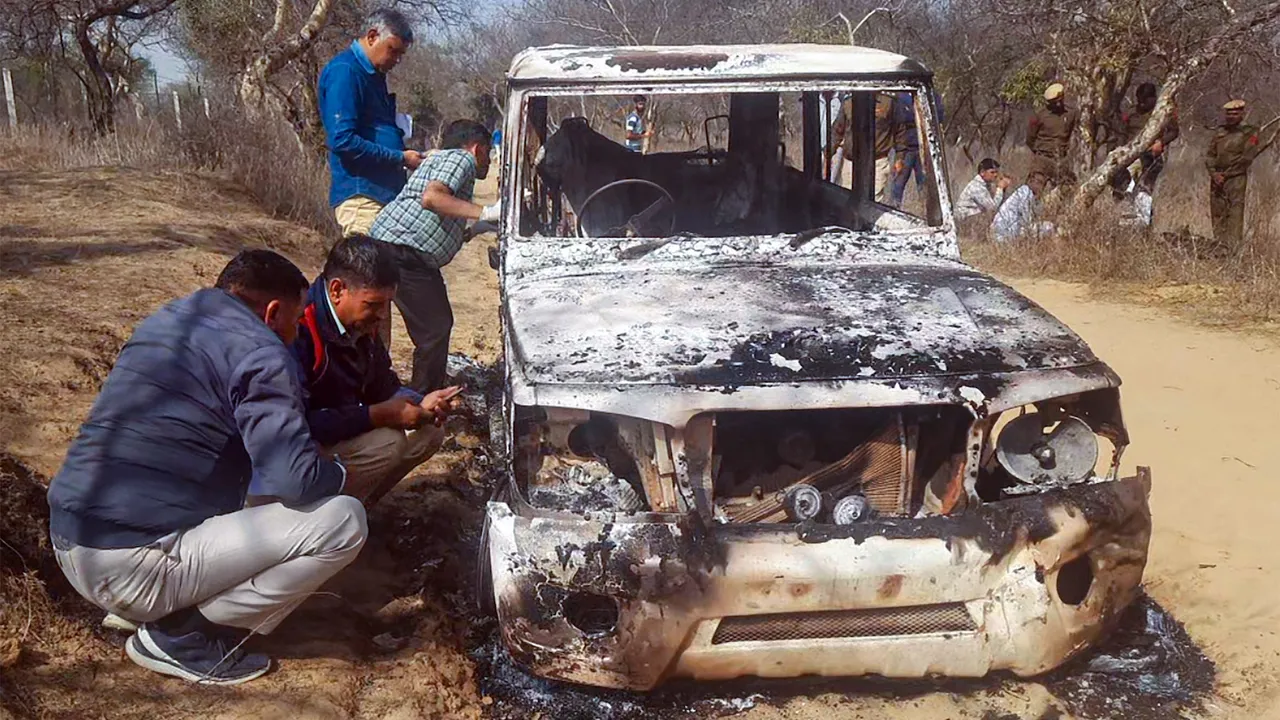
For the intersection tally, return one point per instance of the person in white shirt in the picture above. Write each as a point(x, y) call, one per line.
point(981, 198)
point(1017, 216)
point(1132, 201)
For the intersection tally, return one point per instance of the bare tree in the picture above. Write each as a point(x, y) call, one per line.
point(92, 39)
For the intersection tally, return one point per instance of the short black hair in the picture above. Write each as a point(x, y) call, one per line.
point(988, 164)
point(462, 133)
point(362, 262)
point(1147, 90)
point(1121, 179)
point(259, 276)
point(637, 98)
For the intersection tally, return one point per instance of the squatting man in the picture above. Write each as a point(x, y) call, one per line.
point(204, 405)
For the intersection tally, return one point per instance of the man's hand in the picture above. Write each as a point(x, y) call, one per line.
point(491, 213)
point(1005, 182)
point(398, 413)
point(1157, 147)
point(412, 159)
point(437, 405)
point(1218, 178)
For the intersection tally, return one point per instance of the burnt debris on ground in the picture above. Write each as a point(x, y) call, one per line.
point(1149, 669)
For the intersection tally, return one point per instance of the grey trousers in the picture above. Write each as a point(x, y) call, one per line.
point(247, 569)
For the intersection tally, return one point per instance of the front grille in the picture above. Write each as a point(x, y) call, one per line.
point(878, 622)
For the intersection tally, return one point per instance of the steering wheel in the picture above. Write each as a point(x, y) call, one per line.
point(632, 225)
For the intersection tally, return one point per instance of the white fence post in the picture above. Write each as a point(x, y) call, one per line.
point(177, 110)
point(8, 99)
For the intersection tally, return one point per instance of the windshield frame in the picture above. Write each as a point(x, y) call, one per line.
point(518, 110)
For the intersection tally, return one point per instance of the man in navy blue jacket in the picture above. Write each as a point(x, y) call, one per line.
point(367, 156)
point(357, 408)
point(147, 513)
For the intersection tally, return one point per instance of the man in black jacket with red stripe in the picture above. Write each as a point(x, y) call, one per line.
point(356, 406)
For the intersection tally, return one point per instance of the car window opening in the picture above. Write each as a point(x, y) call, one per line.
point(724, 164)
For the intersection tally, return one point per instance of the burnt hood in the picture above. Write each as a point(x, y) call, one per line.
point(747, 324)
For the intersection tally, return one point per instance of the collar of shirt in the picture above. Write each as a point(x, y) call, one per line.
point(362, 58)
point(333, 313)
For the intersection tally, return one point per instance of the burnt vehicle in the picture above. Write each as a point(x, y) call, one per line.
point(759, 423)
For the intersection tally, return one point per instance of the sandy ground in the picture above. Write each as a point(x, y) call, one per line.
point(84, 255)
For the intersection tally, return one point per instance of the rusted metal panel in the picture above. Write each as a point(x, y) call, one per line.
point(674, 580)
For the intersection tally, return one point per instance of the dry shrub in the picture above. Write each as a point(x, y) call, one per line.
point(266, 159)
point(1211, 282)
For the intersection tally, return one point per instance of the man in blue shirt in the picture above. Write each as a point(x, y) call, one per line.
point(367, 156)
point(147, 513)
point(637, 129)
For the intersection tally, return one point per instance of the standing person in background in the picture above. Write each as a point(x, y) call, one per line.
point(1049, 134)
point(843, 139)
point(906, 149)
point(981, 198)
point(426, 225)
point(1232, 150)
point(367, 157)
point(1132, 123)
point(636, 127)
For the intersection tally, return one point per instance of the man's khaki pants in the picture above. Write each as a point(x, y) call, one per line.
point(247, 569)
point(380, 458)
point(884, 173)
point(355, 215)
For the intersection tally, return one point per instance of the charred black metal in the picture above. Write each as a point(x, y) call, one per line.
point(642, 61)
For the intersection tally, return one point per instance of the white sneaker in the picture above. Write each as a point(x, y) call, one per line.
point(115, 622)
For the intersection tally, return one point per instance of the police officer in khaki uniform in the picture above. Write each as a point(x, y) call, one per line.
point(1049, 136)
point(843, 136)
point(1132, 123)
point(1232, 149)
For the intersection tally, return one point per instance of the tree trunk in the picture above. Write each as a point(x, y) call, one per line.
point(254, 91)
point(97, 84)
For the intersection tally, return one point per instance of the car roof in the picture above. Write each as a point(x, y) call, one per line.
point(629, 64)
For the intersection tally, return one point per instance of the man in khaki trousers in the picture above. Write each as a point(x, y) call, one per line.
point(356, 407)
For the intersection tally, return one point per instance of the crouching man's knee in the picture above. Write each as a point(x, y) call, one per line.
point(344, 527)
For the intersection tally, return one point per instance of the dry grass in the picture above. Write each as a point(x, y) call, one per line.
point(1176, 264)
point(266, 161)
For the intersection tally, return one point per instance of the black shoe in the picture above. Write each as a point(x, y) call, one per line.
point(201, 656)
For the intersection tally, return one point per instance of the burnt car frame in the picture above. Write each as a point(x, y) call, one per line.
point(666, 395)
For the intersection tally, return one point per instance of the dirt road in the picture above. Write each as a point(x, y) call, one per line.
point(1200, 405)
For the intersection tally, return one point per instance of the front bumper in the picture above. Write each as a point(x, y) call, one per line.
point(1019, 585)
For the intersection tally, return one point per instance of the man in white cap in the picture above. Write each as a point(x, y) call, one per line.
point(1231, 151)
point(1049, 136)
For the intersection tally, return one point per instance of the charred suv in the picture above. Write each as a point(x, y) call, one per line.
point(759, 419)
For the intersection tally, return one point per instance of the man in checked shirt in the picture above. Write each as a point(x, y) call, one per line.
point(426, 225)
